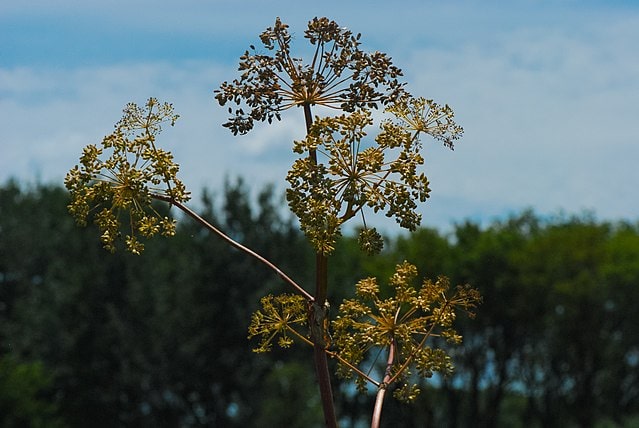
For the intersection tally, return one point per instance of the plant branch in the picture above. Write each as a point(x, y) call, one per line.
point(344, 361)
point(317, 318)
point(234, 243)
point(427, 334)
point(381, 392)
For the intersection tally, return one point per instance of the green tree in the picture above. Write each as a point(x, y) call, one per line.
point(620, 270)
point(504, 326)
point(134, 341)
point(156, 340)
point(22, 395)
point(571, 261)
point(557, 332)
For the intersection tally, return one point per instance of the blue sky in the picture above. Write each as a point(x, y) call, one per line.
point(547, 92)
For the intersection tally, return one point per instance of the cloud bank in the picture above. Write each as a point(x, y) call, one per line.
point(547, 100)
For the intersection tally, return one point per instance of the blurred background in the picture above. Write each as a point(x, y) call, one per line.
point(536, 207)
point(88, 338)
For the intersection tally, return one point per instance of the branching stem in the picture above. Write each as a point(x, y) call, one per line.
point(233, 243)
point(381, 391)
point(321, 293)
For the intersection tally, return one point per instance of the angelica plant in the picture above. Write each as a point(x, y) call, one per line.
point(342, 171)
point(351, 164)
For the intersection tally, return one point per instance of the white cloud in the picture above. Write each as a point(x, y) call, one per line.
point(549, 113)
point(548, 118)
point(50, 116)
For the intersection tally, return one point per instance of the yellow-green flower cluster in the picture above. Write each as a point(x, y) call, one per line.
point(279, 318)
point(426, 116)
point(405, 320)
point(350, 172)
point(116, 182)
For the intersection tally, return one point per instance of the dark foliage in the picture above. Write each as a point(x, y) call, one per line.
point(88, 338)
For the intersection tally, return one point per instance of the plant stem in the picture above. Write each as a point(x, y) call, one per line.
point(317, 317)
point(318, 335)
point(381, 392)
point(321, 286)
point(233, 243)
point(308, 118)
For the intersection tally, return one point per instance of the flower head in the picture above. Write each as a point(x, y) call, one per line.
point(405, 320)
point(123, 175)
point(337, 75)
point(426, 116)
point(351, 172)
point(280, 317)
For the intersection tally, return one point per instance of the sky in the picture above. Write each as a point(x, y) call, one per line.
point(547, 93)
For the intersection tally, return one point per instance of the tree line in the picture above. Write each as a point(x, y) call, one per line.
point(89, 338)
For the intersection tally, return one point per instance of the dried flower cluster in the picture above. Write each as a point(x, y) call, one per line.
point(339, 75)
point(124, 182)
point(369, 324)
point(420, 115)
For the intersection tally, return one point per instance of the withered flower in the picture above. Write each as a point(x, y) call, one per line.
point(338, 75)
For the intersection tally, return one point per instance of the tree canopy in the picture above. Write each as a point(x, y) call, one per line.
point(161, 339)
